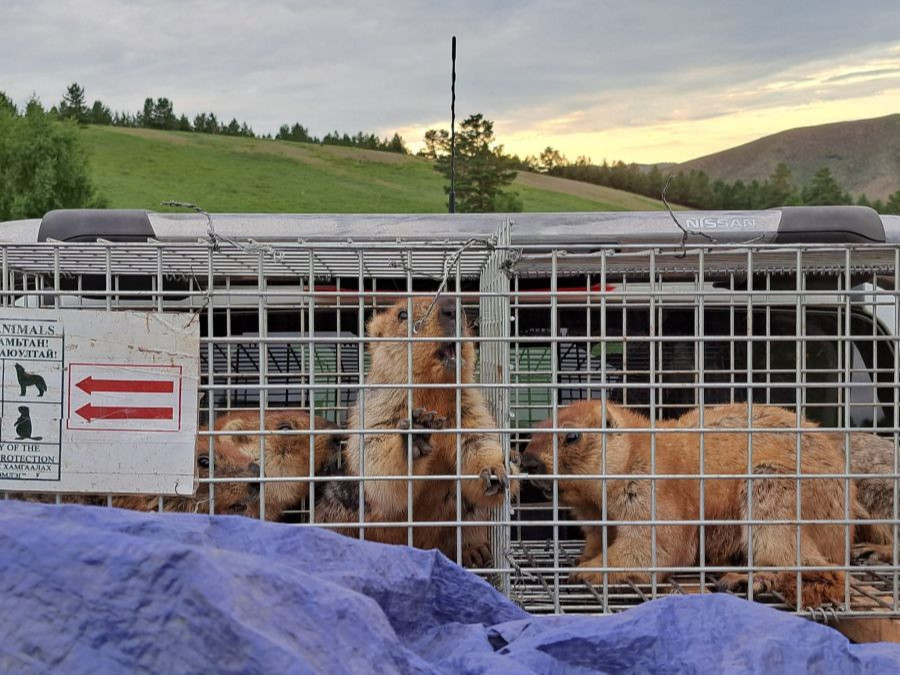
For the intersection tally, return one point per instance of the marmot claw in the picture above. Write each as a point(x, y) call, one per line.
point(477, 556)
point(871, 554)
point(495, 480)
point(423, 419)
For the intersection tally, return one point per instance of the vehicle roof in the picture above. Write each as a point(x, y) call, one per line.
point(808, 224)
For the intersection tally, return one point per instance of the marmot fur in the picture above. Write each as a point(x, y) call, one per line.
point(725, 499)
point(428, 453)
point(871, 454)
point(231, 498)
point(287, 454)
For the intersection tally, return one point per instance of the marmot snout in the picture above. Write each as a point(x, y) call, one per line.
point(432, 361)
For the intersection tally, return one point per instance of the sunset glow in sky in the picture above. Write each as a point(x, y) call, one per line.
point(640, 81)
point(697, 123)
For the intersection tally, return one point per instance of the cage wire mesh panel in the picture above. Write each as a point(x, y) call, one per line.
point(494, 358)
point(663, 332)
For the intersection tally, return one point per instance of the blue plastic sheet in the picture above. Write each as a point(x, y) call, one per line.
point(93, 590)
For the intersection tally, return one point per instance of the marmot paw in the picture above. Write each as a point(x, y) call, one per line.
point(871, 554)
point(478, 556)
point(495, 480)
point(737, 582)
point(423, 419)
point(577, 577)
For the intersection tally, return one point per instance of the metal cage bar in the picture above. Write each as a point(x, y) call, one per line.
point(657, 330)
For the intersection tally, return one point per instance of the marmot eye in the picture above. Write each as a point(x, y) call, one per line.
point(402, 316)
point(572, 437)
point(285, 426)
point(203, 462)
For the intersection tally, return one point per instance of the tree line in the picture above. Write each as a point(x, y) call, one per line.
point(300, 134)
point(43, 164)
point(484, 171)
point(695, 189)
point(160, 113)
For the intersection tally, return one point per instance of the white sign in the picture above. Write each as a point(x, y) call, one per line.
point(98, 402)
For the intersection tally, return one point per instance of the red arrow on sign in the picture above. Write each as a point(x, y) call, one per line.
point(90, 385)
point(93, 412)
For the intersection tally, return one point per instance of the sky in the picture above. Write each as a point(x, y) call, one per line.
point(634, 80)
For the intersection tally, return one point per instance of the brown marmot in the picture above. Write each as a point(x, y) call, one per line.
point(287, 454)
point(429, 453)
point(871, 454)
point(237, 456)
point(725, 499)
point(231, 498)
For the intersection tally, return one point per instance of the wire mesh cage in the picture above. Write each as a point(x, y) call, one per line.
point(677, 336)
point(589, 426)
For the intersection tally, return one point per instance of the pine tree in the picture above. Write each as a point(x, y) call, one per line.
point(435, 140)
point(300, 134)
point(481, 172)
point(550, 160)
point(655, 182)
point(73, 106)
point(7, 105)
point(145, 117)
point(893, 204)
point(162, 115)
point(823, 189)
point(206, 124)
point(100, 114)
point(779, 189)
point(233, 128)
point(396, 144)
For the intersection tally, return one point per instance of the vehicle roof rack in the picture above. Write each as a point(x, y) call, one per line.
point(94, 224)
point(787, 225)
point(829, 225)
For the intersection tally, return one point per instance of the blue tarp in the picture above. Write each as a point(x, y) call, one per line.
point(94, 590)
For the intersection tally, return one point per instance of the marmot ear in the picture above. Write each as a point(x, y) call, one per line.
point(616, 417)
point(238, 424)
point(235, 424)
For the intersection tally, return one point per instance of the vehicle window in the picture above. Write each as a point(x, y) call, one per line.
point(830, 378)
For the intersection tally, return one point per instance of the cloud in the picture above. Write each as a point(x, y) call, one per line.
point(878, 73)
point(684, 121)
point(541, 69)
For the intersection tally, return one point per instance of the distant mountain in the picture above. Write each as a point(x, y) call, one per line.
point(863, 155)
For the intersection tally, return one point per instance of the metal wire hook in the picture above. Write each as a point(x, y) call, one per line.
point(489, 244)
point(684, 231)
point(211, 233)
point(277, 256)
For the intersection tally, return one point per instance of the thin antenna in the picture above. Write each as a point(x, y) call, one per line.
point(453, 125)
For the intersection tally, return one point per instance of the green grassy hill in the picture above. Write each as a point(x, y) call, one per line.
point(139, 168)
